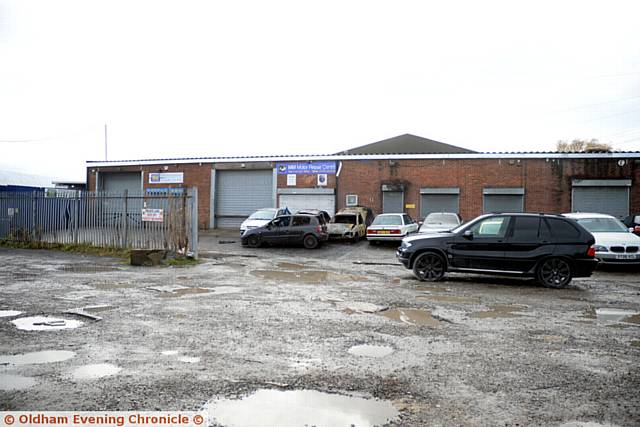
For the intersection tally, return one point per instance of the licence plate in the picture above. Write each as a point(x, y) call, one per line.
point(626, 256)
point(384, 232)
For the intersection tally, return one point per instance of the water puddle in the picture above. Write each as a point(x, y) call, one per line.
point(9, 313)
point(187, 359)
point(499, 311)
point(450, 299)
point(290, 266)
point(170, 352)
point(15, 382)
point(368, 350)
point(43, 323)
point(410, 316)
point(97, 308)
point(617, 315)
point(87, 268)
point(93, 372)
point(38, 357)
point(297, 408)
point(308, 276)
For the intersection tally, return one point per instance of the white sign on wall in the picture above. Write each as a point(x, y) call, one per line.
point(291, 179)
point(322, 179)
point(166, 177)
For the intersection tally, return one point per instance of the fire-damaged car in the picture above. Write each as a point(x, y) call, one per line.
point(350, 224)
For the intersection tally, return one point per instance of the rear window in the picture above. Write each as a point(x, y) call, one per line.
point(301, 220)
point(525, 229)
point(603, 225)
point(387, 220)
point(562, 230)
point(441, 219)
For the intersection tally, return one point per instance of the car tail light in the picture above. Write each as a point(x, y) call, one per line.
point(372, 231)
point(591, 252)
point(636, 229)
point(318, 229)
point(394, 232)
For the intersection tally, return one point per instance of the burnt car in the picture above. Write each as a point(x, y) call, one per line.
point(633, 223)
point(551, 248)
point(350, 224)
point(288, 230)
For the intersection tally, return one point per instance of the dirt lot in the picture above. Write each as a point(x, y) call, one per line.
point(467, 351)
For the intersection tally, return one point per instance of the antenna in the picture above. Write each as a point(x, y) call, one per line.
point(105, 142)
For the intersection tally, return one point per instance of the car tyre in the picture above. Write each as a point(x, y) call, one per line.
point(253, 241)
point(310, 241)
point(554, 272)
point(429, 267)
point(355, 238)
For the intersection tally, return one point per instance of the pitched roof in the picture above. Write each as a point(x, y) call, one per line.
point(406, 144)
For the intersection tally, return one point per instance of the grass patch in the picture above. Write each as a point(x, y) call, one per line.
point(181, 261)
point(67, 247)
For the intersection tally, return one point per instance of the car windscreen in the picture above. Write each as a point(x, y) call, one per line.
point(344, 219)
point(603, 225)
point(265, 214)
point(440, 219)
point(387, 220)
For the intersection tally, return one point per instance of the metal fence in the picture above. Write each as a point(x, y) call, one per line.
point(159, 220)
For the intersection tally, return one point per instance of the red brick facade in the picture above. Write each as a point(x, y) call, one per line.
point(546, 182)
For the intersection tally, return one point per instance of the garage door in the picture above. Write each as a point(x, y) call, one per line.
point(296, 202)
point(239, 193)
point(612, 200)
point(392, 201)
point(438, 200)
point(117, 183)
point(503, 200)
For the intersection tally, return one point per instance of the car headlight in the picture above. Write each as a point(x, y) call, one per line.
point(600, 248)
point(405, 245)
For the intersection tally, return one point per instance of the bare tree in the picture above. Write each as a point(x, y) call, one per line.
point(582, 145)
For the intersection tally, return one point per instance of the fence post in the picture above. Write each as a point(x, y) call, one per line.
point(32, 232)
point(76, 218)
point(126, 218)
point(194, 221)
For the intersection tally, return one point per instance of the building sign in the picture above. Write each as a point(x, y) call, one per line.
point(306, 168)
point(291, 179)
point(152, 215)
point(322, 179)
point(165, 190)
point(166, 177)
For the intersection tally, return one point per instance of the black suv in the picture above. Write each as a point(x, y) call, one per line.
point(307, 230)
point(551, 248)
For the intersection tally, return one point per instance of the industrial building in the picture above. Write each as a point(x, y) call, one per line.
point(402, 174)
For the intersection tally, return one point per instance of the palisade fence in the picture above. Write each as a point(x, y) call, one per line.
point(160, 220)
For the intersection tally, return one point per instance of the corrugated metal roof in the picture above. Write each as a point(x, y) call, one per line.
point(407, 144)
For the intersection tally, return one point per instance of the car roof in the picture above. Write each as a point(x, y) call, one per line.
point(580, 215)
point(391, 214)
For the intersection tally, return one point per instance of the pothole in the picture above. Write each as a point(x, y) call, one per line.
point(294, 408)
point(9, 313)
point(369, 350)
point(359, 307)
point(410, 316)
point(15, 382)
point(307, 276)
point(38, 357)
point(450, 299)
point(290, 266)
point(499, 311)
point(617, 315)
point(95, 371)
point(43, 323)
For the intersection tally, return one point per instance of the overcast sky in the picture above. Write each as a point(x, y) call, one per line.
point(208, 78)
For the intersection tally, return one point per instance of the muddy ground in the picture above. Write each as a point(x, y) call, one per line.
point(467, 351)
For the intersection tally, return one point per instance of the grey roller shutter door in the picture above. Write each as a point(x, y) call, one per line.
point(503, 203)
point(607, 200)
point(392, 201)
point(116, 183)
point(438, 203)
point(240, 193)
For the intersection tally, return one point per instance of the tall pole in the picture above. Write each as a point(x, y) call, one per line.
point(105, 142)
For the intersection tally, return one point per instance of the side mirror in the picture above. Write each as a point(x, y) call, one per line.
point(468, 234)
point(632, 229)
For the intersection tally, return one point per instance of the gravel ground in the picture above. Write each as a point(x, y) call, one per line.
point(467, 351)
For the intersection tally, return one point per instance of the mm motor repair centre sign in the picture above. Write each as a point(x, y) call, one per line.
point(306, 168)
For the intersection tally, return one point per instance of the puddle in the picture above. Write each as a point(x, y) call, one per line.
point(499, 311)
point(43, 323)
point(9, 313)
point(617, 315)
point(97, 308)
point(308, 276)
point(183, 292)
point(360, 307)
point(297, 408)
point(290, 266)
point(410, 316)
point(87, 268)
point(106, 285)
point(15, 382)
point(38, 357)
point(368, 350)
point(187, 359)
point(450, 298)
point(93, 372)
point(170, 352)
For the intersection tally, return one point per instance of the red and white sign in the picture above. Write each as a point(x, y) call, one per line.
point(154, 215)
